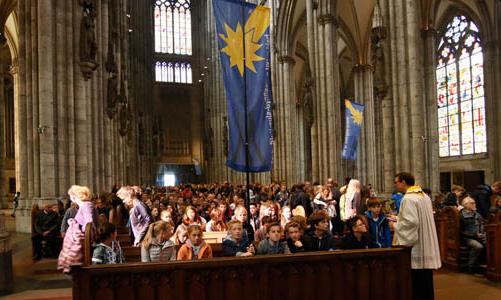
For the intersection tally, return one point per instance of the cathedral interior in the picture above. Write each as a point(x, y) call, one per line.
point(121, 92)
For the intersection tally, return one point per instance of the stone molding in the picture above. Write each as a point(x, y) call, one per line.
point(328, 19)
point(286, 59)
point(362, 67)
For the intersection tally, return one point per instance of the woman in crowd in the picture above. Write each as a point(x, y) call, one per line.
point(139, 214)
point(215, 223)
point(350, 200)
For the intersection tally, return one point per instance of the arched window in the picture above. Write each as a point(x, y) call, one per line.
point(178, 72)
point(460, 90)
point(172, 22)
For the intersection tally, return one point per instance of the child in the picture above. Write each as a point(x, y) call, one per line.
point(108, 250)
point(235, 244)
point(139, 214)
point(216, 223)
point(166, 216)
point(261, 233)
point(195, 247)
point(295, 232)
point(318, 237)
point(357, 238)
point(272, 244)
point(379, 228)
point(156, 245)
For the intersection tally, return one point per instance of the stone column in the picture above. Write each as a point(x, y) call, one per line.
point(431, 137)
point(408, 90)
point(492, 75)
point(6, 279)
point(3, 140)
point(366, 158)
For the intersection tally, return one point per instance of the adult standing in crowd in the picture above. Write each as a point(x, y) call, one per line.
point(415, 228)
point(483, 195)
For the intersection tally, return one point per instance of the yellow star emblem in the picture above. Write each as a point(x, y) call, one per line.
point(255, 28)
point(356, 115)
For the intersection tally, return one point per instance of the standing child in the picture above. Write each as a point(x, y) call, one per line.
point(195, 247)
point(235, 244)
point(157, 245)
point(272, 244)
point(379, 228)
point(108, 250)
point(295, 233)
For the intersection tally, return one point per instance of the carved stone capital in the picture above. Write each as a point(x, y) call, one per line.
point(362, 68)
point(286, 59)
point(327, 19)
point(14, 68)
point(429, 32)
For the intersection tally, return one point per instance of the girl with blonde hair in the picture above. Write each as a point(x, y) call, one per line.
point(350, 200)
point(156, 245)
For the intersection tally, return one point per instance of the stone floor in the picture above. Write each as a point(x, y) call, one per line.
point(41, 280)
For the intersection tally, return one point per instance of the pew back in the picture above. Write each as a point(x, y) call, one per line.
point(356, 274)
point(449, 237)
point(493, 232)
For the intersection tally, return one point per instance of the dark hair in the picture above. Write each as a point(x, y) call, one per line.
point(104, 231)
point(406, 177)
point(353, 221)
point(317, 217)
point(373, 202)
point(266, 220)
point(273, 224)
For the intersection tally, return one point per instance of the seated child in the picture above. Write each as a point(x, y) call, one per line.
point(107, 250)
point(319, 237)
point(156, 245)
point(295, 233)
point(358, 237)
point(235, 244)
point(260, 235)
point(195, 247)
point(272, 244)
point(379, 228)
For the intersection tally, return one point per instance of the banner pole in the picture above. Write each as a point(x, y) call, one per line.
point(247, 154)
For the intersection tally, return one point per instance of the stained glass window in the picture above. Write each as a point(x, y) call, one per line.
point(460, 90)
point(179, 72)
point(172, 26)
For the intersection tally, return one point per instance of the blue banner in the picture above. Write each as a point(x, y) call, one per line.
point(237, 23)
point(354, 118)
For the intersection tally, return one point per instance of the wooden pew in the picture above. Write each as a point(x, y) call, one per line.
point(87, 242)
point(356, 274)
point(493, 232)
point(452, 253)
point(133, 254)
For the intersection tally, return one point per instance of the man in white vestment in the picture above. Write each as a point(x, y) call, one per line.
point(415, 227)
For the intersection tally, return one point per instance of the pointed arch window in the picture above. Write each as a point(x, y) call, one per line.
point(460, 90)
point(178, 72)
point(172, 26)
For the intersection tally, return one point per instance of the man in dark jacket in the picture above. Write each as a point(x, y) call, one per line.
point(47, 224)
point(319, 238)
point(482, 196)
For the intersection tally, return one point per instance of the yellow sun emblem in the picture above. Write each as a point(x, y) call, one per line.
point(254, 29)
point(356, 115)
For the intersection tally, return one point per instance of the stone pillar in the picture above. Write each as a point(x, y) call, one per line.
point(408, 90)
point(6, 280)
point(366, 156)
point(431, 137)
point(3, 140)
point(492, 73)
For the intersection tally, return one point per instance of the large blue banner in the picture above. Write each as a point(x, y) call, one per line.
point(354, 118)
point(250, 76)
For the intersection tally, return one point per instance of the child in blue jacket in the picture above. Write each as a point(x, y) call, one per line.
point(379, 228)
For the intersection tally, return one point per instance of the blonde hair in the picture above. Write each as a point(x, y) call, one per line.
point(125, 192)
point(234, 222)
point(299, 211)
point(154, 230)
point(81, 192)
point(193, 228)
